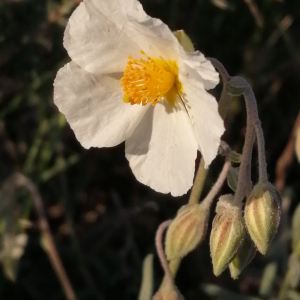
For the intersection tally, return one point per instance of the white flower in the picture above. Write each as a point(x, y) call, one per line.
point(130, 80)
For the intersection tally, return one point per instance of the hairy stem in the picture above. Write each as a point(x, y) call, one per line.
point(255, 122)
point(161, 253)
point(225, 98)
point(244, 178)
point(221, 69)
point(217, 186)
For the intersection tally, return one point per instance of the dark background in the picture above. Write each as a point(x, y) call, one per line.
point(103, 220)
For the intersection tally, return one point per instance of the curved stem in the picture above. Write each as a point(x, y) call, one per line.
point(220, 67)
point(161, 253)
point(248, 181)
point(217, 186)
point(225, 98)
point(245, 167)
point(255, 122)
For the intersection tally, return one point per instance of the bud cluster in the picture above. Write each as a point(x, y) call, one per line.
point(233, 238)
point(235, 234)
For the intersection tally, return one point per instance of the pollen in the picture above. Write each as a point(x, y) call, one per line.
point(150, 80)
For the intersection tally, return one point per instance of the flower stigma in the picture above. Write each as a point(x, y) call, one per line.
point(150, 80)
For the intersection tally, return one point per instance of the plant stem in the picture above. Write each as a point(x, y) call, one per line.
point(245, 167)
point(255, 122)
point(161, 253)
point(225, 98)
point(237, 86)
point(198, 183)
point(206, 203)
point(221, 69)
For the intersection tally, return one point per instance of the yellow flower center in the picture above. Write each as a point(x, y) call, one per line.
point(150, 80)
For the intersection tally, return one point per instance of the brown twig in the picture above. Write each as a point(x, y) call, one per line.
point(18, 180)
point(255, 13)
point(286, 158)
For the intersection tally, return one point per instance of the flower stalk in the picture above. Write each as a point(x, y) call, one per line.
point(220, 181)
point(198, 184)
point(251, 102)
point(239, 86)
point(168, 289)
point(225, 98)
point(160, 251)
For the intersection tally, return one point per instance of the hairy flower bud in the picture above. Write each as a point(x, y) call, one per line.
point(186, 231)
point(168, 292)
point(227, 233)
point(262, 215)
point(243, 257)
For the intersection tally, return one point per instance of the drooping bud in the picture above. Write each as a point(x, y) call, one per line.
point(168, 292)
point(262, 215)
point(186, 231)
point(243, 257)
point(227, 233)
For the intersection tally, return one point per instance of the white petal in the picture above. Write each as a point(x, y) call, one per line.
point(94, 41)
point(94, 107)
point(101, 34)
point(163, 148)
point(203, 111)
point(196, 65)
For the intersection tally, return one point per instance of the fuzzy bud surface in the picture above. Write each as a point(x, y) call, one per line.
point(186, 231)
point(227, 234)
point(262, 215)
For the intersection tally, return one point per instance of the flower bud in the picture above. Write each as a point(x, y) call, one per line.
point(227, 233)
point(243, 257)
point(168, 292)
point(186, 231)
point(262, 215)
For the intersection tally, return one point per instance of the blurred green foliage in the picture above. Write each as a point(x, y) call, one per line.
point(102, 219)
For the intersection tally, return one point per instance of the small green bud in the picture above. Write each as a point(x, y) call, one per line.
point(186, 231)
point(184, 41)
point(262, 215)
point(243, 257)
point(227, 233)
point(168, 292)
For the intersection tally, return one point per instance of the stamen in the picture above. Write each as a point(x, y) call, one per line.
point(149, 80)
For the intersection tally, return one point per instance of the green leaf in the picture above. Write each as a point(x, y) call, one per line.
point(235, 157)
point(232, 178)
